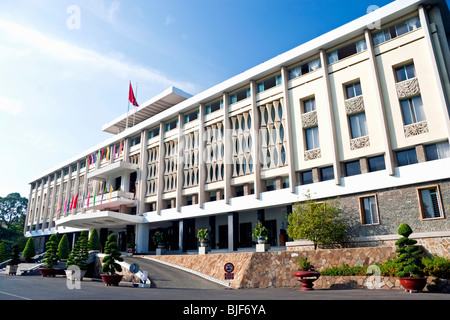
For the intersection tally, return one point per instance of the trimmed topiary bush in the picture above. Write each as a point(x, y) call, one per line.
point(110, 266)
point(63, 248)
point(80, 252)
point(30, 250)
point(94, 241)
point(51, 255)
point(408, 254)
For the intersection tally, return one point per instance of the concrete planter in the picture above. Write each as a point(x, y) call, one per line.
point(11, 270)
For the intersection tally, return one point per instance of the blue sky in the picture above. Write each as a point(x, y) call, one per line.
point(65, 66)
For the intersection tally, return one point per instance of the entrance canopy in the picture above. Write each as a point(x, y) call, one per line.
point(99, 219)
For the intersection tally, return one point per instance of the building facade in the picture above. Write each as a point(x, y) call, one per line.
point(360, 113)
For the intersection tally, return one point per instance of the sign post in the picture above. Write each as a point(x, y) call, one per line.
point(229, 275)
point(134, 268)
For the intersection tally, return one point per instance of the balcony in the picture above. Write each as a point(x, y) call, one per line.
point(112, 169)
point(110, 201)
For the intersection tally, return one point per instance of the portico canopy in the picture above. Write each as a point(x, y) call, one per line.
point(99, 219)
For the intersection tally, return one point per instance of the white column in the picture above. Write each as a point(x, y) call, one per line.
point(330, 119)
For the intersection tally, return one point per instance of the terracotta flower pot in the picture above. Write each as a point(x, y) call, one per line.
point(413, 284)
point(48, 272)
point(111, 279)
point(306, 278)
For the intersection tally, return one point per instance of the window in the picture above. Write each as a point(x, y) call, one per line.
point(303, 69)
point(347, 51)
point(171, 125)
point(309, 105)
point(271, 185)
point(191, 116)
point(327, 173)
point(153, 133)
point(312, 138)
point(213, 107)
point(405, 72)
point(134, 142)
point(307, 177)
point(240, 95)
point(430, 202)
point(268, 83)
point(369, 210)
point(353, 90)
point(437, 151)
point(358, 127)
point(352, 168)
point(376, 163)
point(406, 157)
point(396, 30)
point(412, 110)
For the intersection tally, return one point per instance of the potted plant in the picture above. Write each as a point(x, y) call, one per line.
point(306, 274)
point(78, 258)
point(50, 257)
point(131, 246)
point(202, 235)
point(158, 239)
point(11, 267)
point(110, 266)
point(30, 250)
point(260, 233)
point(410, 268)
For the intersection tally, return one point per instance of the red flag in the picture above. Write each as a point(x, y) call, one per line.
point(131, 97)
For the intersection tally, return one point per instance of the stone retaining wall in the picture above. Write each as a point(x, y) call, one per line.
point(275, 269)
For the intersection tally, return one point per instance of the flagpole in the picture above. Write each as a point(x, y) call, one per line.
point(134, 114)
point(128, 110)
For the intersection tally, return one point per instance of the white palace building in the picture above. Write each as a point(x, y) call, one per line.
point(360, 113)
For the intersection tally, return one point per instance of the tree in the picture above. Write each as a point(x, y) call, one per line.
point(2, 252)
point(11, 208)
point(318, 222)
point(110, 266)
point(80, 252)
point(51, 256)
point(63, 247)
point(30, 250)
point(15, 258)
point(94, 242)
point(408, 254)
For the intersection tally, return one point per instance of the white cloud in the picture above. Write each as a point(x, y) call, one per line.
point(11, 106)
point(97, 61)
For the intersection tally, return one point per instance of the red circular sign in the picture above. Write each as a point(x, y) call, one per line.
point(229, 267)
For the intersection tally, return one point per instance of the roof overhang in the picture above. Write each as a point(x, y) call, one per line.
point(98, 219)
point(157, 104)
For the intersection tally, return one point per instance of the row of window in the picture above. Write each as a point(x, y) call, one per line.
point(430, 206)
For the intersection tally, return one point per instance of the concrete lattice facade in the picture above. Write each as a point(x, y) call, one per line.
point(360, 113)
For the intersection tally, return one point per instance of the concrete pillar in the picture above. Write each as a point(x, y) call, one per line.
point(160, 188)
point(288, 132)
point(142, 173)
point(201, 161)
point(385, 135)
point(233, 231)
point(228, 168)
point(256, 142)
point(142, 237)
point(180, 163)
point(330, 123)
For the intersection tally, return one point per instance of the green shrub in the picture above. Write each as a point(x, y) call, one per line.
point(408, 254)
point(51, 256)
point(388, 269)
point(345, 270)
point(94, 241)
point(30, 250)
point(79, 254)
point(110, 266)
point(63, 248)
point(438, 267)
